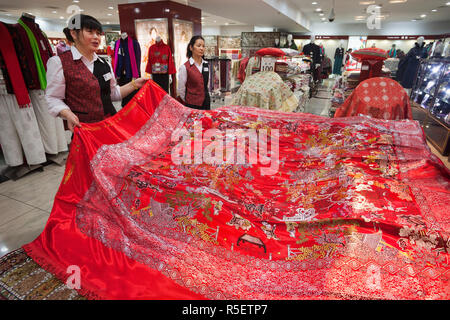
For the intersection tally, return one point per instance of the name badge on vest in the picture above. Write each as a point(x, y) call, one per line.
point(107, 76)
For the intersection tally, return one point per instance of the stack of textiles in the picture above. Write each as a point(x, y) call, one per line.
point(266, 90)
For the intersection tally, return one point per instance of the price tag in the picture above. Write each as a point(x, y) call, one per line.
point(268, 63)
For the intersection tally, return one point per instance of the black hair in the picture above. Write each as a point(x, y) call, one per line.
point(191, 43)
point(79, 22)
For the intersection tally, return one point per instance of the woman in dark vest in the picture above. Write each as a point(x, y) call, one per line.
point(193, 77)
point(80, 85)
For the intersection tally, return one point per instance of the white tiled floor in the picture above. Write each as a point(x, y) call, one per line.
point(25, 204)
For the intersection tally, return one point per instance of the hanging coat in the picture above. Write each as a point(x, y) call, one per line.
point(408, 66)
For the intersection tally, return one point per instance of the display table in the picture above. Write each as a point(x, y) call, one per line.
point(381, 98)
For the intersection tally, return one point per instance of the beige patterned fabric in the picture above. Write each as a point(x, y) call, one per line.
point(266, 90)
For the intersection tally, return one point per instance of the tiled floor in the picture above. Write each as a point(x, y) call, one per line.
point(25, 204)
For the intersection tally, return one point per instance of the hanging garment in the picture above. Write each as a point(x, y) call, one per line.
point(408, 66)
point(160, 60)
point(8, 56)
point(127, 59)
point(291, 45)
point(354, 208)
point(41, 68)
point(338, 57)
point(25, 56)
point(45, 49)
point(392, 53)
point(20, 137)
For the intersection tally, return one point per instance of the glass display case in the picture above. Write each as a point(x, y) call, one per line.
point(430, 97)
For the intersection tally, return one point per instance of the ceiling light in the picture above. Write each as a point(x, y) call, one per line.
point(107, 22)
point(111, 8)
point(366, 3)
point(318, 10)
point(447, 4)
point(423, 15)
point(321, 14)
point(434, 10)
point(54, 11)
point(81, 10)
point(413, 20)
point(397, 1)
point(324, 19)
point(226, 23)
point(203, 18)
point(61, 17)
point(314, 3)
point(109, 14)
point(76, 1)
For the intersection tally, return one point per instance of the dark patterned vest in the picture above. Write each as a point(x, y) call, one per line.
point(88, 94)
point(197, 86)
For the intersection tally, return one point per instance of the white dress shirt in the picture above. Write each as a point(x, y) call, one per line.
point(182, 77)
point(55, 93)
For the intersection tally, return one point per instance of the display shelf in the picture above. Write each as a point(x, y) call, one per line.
point(430, 97)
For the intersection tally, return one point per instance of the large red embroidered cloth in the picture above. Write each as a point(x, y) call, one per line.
point(356, 208)
point(378, 97)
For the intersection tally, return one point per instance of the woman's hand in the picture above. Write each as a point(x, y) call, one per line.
point(140, 82)
point(72, 119)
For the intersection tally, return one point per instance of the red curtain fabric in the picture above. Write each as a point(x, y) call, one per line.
point(352, 208)
point(378, 97)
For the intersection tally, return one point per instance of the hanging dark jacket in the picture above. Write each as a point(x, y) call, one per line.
point(408, 66)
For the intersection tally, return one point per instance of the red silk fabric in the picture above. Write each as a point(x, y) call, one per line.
point(378, 97)
point(356, 209)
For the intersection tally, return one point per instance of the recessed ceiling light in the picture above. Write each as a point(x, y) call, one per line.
point(61, 17)
point(8, 14)
point(324, 19)
point(413, 20)
point(107, 22)
point(366, 3)
point(423, 15)
point(137, 10)
point(314, 3)
point(226, 23)
point(54, 11)
point(111, 8)
point(203, 18)
point(321, 14)
point(318, 9)
point(434, 10)
point(109, 14)
point(397, 1)
point(76, 1)
point(81, 10)
point(447, 4)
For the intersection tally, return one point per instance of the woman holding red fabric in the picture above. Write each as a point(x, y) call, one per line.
point(80, 85)
point(193, 77)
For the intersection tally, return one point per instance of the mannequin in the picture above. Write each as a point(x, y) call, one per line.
point(338, 58)
point(290, 42)
point(313, 50)
point(277, 43)
point(393, 52)
point(407, 68)
point(160, 63)
point(127, 62)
